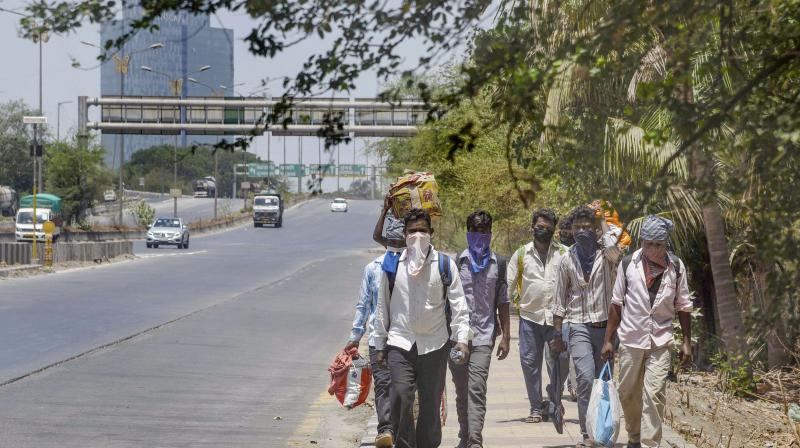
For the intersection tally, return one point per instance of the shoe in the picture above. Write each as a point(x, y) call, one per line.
point(535, 417)
point(384, 440)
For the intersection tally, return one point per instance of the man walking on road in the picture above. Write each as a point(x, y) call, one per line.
point(650, 288)
point(393, 237)
point(532, 274)
point(582, 296)
point(482, 275)
point(411, 331)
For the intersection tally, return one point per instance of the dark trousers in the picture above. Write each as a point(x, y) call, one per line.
point(382, 383)
point(412, 372)
point(470, 382)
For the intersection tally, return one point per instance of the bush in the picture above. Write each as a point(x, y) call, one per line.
point(143, 213)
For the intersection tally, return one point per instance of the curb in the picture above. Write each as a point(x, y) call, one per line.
point(10, 270)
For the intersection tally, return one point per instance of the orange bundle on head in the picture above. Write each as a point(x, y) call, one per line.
point(606, 211)
point(415, 190)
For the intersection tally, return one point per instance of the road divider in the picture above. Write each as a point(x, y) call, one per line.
point(63, 252)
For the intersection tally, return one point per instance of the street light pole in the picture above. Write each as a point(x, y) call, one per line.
point(216, 186)
point(300, 173)
point(40, 156)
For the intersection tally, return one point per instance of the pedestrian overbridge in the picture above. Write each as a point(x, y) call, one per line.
point(360, 117)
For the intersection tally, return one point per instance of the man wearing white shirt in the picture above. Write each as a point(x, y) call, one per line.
point(650, 289)
point(531, 274)
point(411, 332)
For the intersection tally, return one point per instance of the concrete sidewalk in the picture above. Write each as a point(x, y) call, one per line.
point(507, 406)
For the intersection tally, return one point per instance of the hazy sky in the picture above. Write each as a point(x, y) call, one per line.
point(62, 82)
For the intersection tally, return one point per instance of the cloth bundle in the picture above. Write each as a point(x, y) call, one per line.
point(415, 190)
point(351, 378)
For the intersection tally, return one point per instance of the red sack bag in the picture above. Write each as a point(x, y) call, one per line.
point(351, 378)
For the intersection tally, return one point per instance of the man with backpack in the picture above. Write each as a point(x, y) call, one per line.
point(650, 289)
point(482, 275)
point(411, 331)
point(531, 275)
point(391, 236)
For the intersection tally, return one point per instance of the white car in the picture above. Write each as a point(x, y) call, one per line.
point(168, 232)
point(109, 196)
point(339, 205)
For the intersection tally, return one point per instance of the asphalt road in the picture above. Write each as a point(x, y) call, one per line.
point(190, 209)
point(228, 335)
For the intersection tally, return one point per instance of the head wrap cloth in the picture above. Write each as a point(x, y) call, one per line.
point(656, 228)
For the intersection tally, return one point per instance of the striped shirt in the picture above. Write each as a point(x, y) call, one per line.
point(579, 301)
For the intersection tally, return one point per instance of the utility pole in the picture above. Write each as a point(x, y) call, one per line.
point(283, 167)
point(338, 175)
point(122, 136)
point(175, 177)
point(38, 154)
point(269, 160)
point(216, 184)
point(300, 172)
point(58, 119)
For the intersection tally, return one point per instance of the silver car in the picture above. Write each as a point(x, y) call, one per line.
point(168, 231)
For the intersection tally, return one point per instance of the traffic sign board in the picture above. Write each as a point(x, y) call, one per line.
point(325, 169)
point(49, 227)
point(352, 170)
point(292, 169)
point(260, 169)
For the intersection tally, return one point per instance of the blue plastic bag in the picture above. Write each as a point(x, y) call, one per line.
point(605, 410)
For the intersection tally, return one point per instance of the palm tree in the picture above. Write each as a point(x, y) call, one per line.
point(630, 156)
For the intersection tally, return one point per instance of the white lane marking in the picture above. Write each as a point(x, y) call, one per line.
point(172, 254)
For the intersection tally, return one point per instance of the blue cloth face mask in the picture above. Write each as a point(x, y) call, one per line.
point(390, 261)
point(479, 250)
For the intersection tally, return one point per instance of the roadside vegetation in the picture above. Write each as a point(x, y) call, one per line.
point(689, 109)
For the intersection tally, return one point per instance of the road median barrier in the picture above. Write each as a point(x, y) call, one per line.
point(14, 254)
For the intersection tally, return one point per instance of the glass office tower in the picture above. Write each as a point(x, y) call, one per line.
point(190, 42)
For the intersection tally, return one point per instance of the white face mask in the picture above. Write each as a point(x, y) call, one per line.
point(417, 245)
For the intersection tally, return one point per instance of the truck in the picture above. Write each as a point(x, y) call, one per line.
point(267, 209)
point(205, 187)
point(8, 201)
point(48, 208)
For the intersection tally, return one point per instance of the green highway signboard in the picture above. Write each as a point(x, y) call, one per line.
point(292, 169)
point(260, 169)
point(327, 169)
point(352, 170)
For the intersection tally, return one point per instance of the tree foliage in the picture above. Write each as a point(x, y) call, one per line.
point(687, 108)
point(76, 174)
point(16, 166)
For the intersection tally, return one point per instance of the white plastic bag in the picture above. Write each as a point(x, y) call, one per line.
point(605, 410)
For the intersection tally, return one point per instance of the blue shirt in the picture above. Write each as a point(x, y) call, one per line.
point(367, 302)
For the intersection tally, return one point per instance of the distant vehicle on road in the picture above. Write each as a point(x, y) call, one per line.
point(8, 201)
point(48, 208)
point(205, 187)
point(267, 209)
point(109, 196)
point(168, 231)
point(339, 205)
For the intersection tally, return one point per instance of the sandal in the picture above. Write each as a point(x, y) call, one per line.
point(533, 418)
